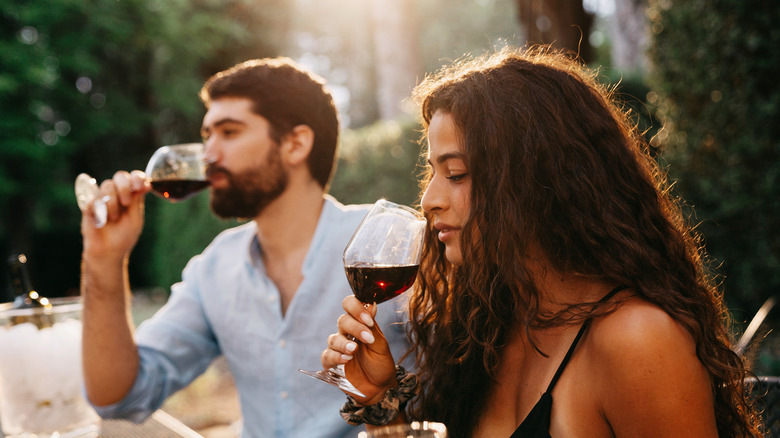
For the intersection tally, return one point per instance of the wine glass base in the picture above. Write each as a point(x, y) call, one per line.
point(335, 376)
point(87, 192)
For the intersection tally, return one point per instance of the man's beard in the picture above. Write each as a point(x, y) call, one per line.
point(248, 193)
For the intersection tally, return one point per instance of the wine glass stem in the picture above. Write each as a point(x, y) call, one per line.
point(100, 211)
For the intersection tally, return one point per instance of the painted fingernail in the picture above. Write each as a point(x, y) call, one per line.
point(367, 336)
point(367, 320)
point(346, 357)
point(351, 346)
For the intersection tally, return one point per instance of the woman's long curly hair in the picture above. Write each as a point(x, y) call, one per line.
point(554, 163)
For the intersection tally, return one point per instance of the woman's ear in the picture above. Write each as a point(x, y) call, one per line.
point(297, 144)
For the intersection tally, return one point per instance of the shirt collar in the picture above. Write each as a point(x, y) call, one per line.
point(329, 209)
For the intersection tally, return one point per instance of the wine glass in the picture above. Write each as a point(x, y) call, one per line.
point(381, 262)
point(416, 429)
point(176, 172)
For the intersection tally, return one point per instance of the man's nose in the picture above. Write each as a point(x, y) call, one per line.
point(211, 153)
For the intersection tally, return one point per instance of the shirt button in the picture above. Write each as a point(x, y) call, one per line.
point(282, 343)
point(272, 299)
point(283, 395)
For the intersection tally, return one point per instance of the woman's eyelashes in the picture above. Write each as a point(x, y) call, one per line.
point(457, 177)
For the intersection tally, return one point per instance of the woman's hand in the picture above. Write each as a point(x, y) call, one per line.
point(361, 346)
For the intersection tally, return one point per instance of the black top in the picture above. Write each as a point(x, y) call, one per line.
point(537, 423)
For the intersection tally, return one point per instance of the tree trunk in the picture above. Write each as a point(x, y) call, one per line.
point(630, 35)
point(562, 23)
point(397, 55)
point(358, 63)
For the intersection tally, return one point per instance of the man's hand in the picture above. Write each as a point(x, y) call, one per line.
point(124, 195)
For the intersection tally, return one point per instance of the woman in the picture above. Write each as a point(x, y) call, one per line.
point(561, 293)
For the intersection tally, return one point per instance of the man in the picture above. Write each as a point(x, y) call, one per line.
point(262, 294)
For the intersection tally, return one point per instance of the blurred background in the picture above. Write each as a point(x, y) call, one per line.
point(97, 85)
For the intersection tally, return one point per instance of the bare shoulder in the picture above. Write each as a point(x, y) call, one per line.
point(646, 372)
point(639, 342)
point(640, 328)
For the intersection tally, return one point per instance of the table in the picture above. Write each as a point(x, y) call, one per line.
point(159, 425)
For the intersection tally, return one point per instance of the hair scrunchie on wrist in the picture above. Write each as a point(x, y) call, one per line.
point(388, 408)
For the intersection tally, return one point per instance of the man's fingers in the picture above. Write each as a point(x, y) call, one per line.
point(139, 182)
point(123, 191)
point(108, 193)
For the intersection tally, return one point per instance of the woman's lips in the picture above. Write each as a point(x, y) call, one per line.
point(446, 232)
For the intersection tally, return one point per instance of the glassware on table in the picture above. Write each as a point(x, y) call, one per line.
point(25, 295)
point(176, 172)
point(381, 262)
point(424, 429)
point(40, 372)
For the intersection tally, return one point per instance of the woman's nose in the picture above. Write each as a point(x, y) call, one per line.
point(432, 197)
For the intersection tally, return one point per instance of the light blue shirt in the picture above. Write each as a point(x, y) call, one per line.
point(225, 304)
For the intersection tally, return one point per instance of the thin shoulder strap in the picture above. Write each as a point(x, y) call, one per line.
point(585, 325)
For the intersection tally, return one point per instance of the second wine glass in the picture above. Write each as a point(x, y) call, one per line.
point(177, 172)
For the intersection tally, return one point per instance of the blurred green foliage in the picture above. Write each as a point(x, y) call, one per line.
point(715, 81)
point(382, 160)
point(95, 86)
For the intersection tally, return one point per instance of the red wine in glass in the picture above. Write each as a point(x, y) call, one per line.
point(379, 283)
point(177, 172)
point(178, 189)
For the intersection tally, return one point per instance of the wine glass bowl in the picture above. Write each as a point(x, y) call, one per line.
point(382, 257)
point(177, 172)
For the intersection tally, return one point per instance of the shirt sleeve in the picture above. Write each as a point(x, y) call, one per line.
point(175, 346)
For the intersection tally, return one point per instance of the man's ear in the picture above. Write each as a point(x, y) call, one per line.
point(297, 144)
